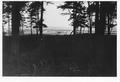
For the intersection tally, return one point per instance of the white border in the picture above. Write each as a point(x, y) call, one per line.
point(61, 79)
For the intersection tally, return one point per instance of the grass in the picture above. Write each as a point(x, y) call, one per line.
point(55, 55)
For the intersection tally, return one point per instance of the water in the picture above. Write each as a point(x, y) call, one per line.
point(48, 31)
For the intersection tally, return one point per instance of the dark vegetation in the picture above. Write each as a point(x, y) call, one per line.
point(61, 55)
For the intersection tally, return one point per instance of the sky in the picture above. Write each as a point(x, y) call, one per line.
point(53, 17)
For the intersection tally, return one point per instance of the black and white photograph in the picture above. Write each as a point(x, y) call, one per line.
point(59, 38)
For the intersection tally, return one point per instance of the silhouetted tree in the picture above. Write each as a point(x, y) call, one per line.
point(94, 8)
point(107, 9)
point(77, 13)
point(41, 21)
point(90, 10)
point(16, 16)
point(111, 11)
point(103, 11)
point(34, 9)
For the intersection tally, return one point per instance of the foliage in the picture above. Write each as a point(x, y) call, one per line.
point(77, 14)
point(107, 8)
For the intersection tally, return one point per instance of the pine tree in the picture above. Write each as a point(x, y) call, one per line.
point(77, 14)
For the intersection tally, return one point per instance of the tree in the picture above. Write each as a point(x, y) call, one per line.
point(77, 14)
point(90, 10)
point(34, 9)
point(41, 21)
point(26, 17)
point(93, 7)
point(16, 16)
point(107, 10)
point(7, 14)
point(14, 8)
point(102, 20)
point(103, 11)
point(111, 10)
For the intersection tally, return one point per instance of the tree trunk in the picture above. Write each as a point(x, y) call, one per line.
point(90, 24)
point(90, 20)
point(80, 30)
point(15, 23)
point(102, 18)
point(41, 21)
point(37, 29)
point(15, 29)
point(31, 31)
point(108, 24)
point(74, 19)
point(3, 30)
point(22, 28)
point(8, 24)
point(97, 19)
point(74, 30)
point(31, 25)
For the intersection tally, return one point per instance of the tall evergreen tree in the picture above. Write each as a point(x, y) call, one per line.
point(77, 14)
point(34, 11)
point(111, 11)
point(16, 16)
point(90, 10)
point(35, 8)
point(103, 10)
